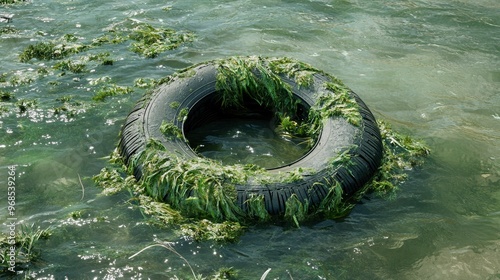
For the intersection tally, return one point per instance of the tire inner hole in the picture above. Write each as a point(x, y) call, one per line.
point(241, 135)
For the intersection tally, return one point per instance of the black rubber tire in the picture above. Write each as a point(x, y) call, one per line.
point(337, 136)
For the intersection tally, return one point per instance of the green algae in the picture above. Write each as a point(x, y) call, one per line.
point(151, 41)
point(111, 90)
point(12, 1)
point(55, 49)
point(22, 246)
point(201, 189)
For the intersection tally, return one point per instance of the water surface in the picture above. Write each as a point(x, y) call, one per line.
point(430, 68)
point(246, 141)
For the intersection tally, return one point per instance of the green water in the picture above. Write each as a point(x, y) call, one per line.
point(430, 68)
point(246, 141)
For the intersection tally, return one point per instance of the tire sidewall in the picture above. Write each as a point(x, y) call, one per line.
point(336, 137)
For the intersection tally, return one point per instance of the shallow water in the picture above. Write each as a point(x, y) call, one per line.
point(246, 141)
point(430, 68)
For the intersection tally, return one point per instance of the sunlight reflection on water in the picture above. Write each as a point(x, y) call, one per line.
point(430, 68)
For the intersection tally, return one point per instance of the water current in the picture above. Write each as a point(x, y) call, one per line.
point(431, 68)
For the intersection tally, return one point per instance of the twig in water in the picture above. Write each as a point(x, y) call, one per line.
point(81, 184)
point(265, 274)
point(169, 247)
